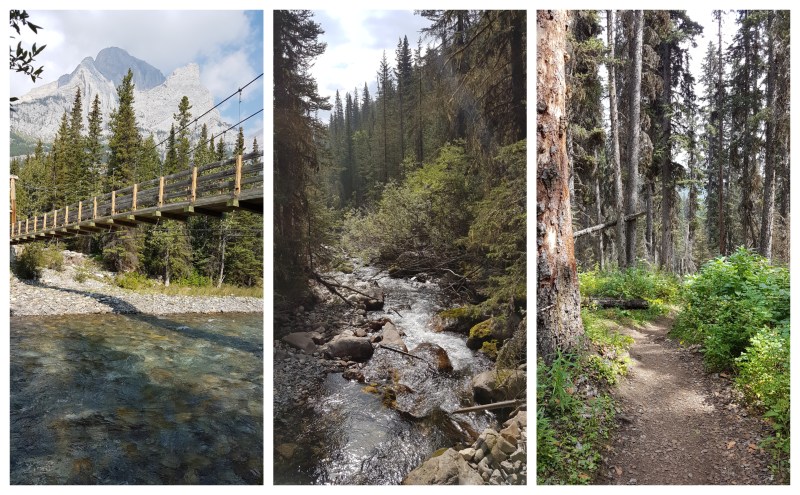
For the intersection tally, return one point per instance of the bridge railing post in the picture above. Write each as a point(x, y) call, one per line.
point(193, 190)
point(133, 198)
point(35, 221)
point(94, 212)
point(161, 191)
point(113, 203)
point(80, 208)
point(237, 182)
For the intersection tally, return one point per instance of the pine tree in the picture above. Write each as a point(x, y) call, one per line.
point(240, 148)
point(77, 171)
point(255, 145)
point(182, 135)
point(94, 149)
point(296, 44)
point(171, 158)
point(125, 138)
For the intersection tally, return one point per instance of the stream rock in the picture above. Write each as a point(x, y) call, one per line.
point(302, 340)
point(457, 320)
point(494, 386)
point(449, 468)
point(434, 353)
point(391, 337)
point(355, 348)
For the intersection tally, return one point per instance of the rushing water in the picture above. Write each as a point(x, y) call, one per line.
point(131, 399)
point(351, 437)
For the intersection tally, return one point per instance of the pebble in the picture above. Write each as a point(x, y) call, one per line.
point(93, 296)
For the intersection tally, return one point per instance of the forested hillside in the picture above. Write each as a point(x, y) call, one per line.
point(665, 188)
point(426, 175)
point(81, 165)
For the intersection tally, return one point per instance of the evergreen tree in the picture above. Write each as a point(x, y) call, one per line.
point(171, 157)
point(94, 149)
point(77, 171)
point(182, 135)
point(125, 138)
point(296, 44)
point(240, 147)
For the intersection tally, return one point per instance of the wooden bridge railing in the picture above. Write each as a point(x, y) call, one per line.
point(213, 188)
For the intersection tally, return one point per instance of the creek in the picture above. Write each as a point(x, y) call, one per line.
point(350, 433)
point(134, 399)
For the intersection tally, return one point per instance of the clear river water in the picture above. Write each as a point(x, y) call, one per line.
point(133, 399)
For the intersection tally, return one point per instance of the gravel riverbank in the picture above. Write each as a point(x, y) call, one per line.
point(58, 293)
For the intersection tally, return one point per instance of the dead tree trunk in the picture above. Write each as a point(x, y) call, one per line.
point(631, 196)
point(612, 96)
point(768, 209)
point(559, 325)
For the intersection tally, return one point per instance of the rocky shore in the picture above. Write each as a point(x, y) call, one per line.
point(60, 293)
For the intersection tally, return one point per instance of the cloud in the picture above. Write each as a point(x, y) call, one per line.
point(165, 39)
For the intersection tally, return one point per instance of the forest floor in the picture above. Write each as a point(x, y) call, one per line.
point(678, 424)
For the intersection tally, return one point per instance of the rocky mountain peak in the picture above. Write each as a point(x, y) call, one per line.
point(114, 63)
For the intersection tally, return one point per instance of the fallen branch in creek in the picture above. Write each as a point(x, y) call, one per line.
point(494, 405)
point(402, 352)
point(330, 287)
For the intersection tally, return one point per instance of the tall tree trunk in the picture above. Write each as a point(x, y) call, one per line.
point(649, 236)
point(666, 259)
point(720, 154)
point(768, 210)
point(559, 325)
point(631, 196)
point(688, 255)
point(223, 241)
point(598, 201)
point(612, 92)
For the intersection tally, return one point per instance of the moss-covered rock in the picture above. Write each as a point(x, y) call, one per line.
point(458, 320)
point(480, 333)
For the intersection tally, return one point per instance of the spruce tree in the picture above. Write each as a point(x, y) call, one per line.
point(125, 138)
point(94, 149)
point(182, 135)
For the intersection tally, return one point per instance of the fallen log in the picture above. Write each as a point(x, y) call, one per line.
point(606, 225)
point(609, 302)
point(488, 407)
point(402, 352)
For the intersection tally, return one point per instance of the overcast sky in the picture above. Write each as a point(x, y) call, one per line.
point(356, 40)
point(227, 45)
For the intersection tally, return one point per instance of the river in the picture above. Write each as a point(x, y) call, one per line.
point(347, 435)
point(133, 399)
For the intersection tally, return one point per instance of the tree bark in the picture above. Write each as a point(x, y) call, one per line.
point(518, 84)
point(768, 209)
point(631, 196)
point(559, 325)
point(649, 240)
point(666, 258)
point(612, 95)
point(598, 200)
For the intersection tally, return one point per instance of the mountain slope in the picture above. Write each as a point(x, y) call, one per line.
point(37, 114)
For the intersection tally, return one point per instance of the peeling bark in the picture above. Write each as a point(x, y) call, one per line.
point(559, 325)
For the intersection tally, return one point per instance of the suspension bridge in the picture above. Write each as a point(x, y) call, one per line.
point(211, 190)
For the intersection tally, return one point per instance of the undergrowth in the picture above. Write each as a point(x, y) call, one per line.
point(574, 411)
point(737, 309)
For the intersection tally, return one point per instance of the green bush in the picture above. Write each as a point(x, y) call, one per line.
point(133, 281)
point(728, 302)
point(764, 378)
point(653, 286)
point(36, 257)
point(424, 213)
point(30, 262)
point(194, 280)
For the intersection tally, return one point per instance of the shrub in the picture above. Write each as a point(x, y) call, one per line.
point(653, 286)
point(194, 280)
point(728, 302)
point(30, 262)
point(133, 281)
point(764, 379)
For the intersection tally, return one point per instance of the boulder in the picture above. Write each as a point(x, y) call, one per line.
point(434, 354)
point(458, 320)
point(498, 385)
point(355, 348)
point(449, 468)
point(391, 337)
point(301, 340)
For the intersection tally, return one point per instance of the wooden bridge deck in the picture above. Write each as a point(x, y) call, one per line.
point(205, 190)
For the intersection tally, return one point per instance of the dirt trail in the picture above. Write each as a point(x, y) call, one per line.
point(679, 425)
